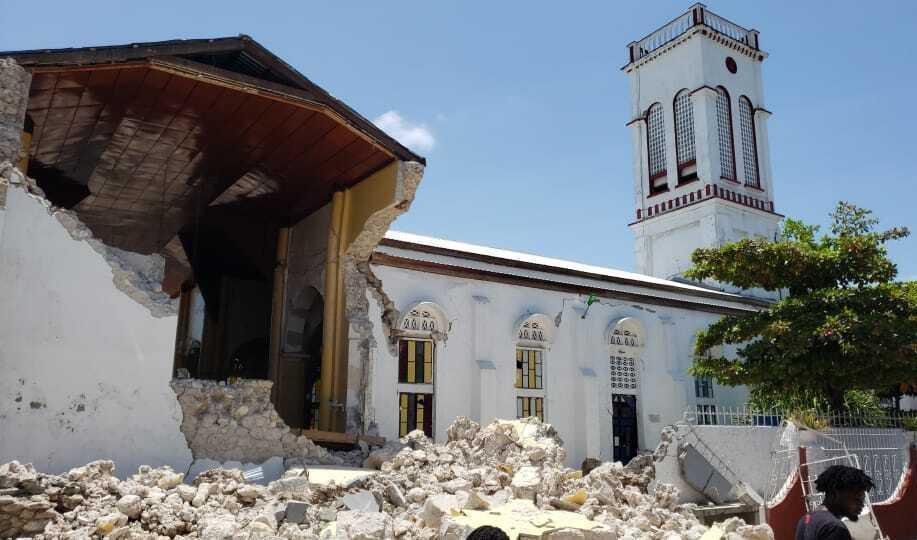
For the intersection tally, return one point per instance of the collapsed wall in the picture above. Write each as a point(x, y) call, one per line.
point(85, 366)
point(238, 422)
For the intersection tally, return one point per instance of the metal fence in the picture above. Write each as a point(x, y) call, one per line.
point(745, 415)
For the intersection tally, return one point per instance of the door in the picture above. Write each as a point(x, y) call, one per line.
point(624, 427)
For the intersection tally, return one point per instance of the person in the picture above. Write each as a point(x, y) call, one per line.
point(488, 533)
point(845, 491)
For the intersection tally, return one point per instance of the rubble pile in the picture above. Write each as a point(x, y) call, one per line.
point(510, 474)
point(226, 422)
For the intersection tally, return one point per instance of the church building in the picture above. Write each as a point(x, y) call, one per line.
point(199, 213)
point(601, 354)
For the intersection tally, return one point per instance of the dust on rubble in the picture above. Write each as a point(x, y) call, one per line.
point(509, 473)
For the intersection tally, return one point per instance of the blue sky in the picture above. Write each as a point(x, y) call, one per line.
point(520, 107)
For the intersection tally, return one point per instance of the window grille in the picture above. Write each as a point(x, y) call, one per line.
point(684, 131)
point(415, 411)
point(530, 406)
point(529, 369)
point(749, 142)
point(706, 415)
point(724, 130)
point(655, 142)
point(703, 387)
point(415, 361)
point(624, 374)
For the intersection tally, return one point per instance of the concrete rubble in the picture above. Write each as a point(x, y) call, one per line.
point(509, 473)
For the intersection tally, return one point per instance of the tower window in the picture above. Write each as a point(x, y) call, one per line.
point(749, 142)
point(684, 137)
point(655, 143)
point(724, 130)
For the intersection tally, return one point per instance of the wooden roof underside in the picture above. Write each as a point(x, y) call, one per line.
point(156, 139)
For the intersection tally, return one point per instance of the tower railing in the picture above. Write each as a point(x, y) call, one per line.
point(698, 15)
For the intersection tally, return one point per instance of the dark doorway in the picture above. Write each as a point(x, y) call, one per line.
point(624, 427)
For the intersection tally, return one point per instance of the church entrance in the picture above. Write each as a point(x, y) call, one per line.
point(624, 427)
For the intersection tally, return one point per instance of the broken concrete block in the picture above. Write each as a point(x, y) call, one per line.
point(364, 525)
point(395, 496)
point(417, 495)
point(438, 506)
point(525, 483)
point(130, 506)
point(296, 511)
point(107, 523)
point(361, 501)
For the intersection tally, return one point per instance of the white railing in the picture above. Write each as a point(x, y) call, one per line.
point(697, 15)
point(664, 35)
point(726, 27)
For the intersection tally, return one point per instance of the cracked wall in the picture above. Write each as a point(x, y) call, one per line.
point(86, 368)
point(359, 280)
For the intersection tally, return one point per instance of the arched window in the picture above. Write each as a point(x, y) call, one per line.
point(684, 137)
point(655, 144)
point(417, 332)
point(724, 130)
point(625, 344)
point(533, 337)
point(749, 142)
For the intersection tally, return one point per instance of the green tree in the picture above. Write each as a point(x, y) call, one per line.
point(843, 324)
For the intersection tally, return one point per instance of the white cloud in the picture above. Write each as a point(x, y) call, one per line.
point(415, 136)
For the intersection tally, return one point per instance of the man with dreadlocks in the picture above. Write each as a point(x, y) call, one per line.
point(845, 495)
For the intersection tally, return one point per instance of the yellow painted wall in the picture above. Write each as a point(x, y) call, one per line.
point(350, 211)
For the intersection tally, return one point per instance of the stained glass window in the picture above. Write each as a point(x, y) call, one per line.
point(530, 406)
point(529, 369)
point(415, 411)
point(415, 361)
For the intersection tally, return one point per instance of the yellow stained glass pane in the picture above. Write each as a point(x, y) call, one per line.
point(518, 368)
point(403, 416)
point(427, 362)
point(419, 413)
point(412, 361)
point(531, 355)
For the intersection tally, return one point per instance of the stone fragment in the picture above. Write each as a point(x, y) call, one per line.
point(364, 525)
point(395, 496)
point(525, 483)
point(186, 492)
point(108, 522)
point(130, 506)
point(438, 506)
point(361, 501)
point(417, 495)
point(296, 511)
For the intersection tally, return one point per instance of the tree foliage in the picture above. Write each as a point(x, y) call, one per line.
point(843, 324)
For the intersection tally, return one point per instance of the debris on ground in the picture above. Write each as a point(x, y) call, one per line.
point(509, 473)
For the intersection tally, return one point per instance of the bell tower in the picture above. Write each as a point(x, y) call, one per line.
point(701, 161)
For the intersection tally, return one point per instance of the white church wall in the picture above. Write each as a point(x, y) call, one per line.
point(475, 363)
point(86, 369)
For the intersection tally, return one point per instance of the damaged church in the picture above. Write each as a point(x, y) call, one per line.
point(196, 262)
